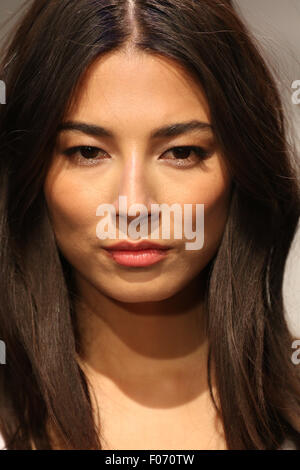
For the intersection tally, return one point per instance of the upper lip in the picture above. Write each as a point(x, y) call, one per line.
point(143, 245)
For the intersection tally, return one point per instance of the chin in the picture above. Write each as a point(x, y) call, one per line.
point(139, 292)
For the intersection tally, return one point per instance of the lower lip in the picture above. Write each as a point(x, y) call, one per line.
point(138, 258)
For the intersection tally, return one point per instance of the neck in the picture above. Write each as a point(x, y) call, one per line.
point(142, 341)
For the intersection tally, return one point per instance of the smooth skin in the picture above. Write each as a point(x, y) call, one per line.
point(142, 332)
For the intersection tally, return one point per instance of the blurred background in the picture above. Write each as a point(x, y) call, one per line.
point(276, 26)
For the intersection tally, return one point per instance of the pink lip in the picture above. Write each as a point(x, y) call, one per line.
point(139, 254)
point(142, 245)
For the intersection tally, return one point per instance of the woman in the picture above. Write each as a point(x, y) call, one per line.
point(161, 103)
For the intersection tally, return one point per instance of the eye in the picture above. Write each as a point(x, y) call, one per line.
point(86, 155)
point(188, 155)
point(184, 156)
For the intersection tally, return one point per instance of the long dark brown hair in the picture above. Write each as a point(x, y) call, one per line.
point(43, 60)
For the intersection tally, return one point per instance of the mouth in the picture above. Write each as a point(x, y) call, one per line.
point(137, 254)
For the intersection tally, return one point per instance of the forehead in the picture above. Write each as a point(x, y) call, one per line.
point(137, 88)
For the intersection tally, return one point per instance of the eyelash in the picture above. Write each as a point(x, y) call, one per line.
point(200, 152)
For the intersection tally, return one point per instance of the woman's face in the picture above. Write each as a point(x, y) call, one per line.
point(132, 95)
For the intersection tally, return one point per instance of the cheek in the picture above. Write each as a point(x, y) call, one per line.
point(213, 190)
point(216, 197)
point(214, 193)
point(71, 207)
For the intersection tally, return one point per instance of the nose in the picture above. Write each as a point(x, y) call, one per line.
point(134, 185)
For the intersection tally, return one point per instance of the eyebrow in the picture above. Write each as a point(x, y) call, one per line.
point(169, 130)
